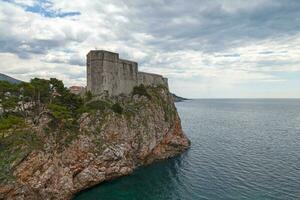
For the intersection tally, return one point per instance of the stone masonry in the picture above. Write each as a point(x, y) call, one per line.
point(106, 72)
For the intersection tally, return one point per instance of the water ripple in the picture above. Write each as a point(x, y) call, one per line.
point(241, 149)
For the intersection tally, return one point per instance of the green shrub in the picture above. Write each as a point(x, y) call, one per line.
point(10, 103)
point(141, 91)
point(60, 112)
point(88, 96)
point(13, 149)
point(117, 108)
point(83, 109)
point(98, 105)
point(11, 121)
point(8, 87)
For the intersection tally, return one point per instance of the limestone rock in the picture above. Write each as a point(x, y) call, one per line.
point(106, 148)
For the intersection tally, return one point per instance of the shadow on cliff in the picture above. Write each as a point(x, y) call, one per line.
point(164, 174)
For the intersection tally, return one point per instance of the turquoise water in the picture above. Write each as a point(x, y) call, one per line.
point(241, 149)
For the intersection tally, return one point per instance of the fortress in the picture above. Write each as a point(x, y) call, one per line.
point(107, 73)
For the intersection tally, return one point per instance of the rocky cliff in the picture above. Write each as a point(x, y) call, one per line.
point(49, 161)
point(178, 98)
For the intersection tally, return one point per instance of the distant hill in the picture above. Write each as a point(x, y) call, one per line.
point(177, 98)
point(4, 77)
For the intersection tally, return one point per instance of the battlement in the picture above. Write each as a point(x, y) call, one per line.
point(102, 55)
point(151, 79)
point(107, 73)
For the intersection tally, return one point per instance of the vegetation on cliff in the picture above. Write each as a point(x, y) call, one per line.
point(21, 106)
point(45, 114)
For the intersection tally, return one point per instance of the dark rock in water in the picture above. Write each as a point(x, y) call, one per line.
point(4, 77)
point(177, 98)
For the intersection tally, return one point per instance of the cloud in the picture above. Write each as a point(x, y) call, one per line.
point(27, 33)
point(208, 46)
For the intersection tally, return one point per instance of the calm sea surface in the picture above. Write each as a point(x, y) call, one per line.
point(241, 149)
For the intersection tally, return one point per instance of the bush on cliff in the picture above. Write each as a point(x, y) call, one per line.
point(38, 92)
point(7, 87)
point(13, 149)
point(9, 122)
point(88, 96)
point(141, 91)
point(102, 105)
point(117, 108)
point(60, 112)
point(64, 97)
point(98, 105)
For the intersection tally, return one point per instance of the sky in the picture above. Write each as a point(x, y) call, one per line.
point(206, 48)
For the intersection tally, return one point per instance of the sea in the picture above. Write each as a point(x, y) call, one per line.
point(242, 149)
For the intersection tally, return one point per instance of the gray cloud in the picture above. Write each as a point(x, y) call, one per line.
point(215, 42)
point(206, 26)
point(198, 25)
point(24, 49)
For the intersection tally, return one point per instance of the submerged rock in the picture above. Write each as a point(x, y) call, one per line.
point(106, 145)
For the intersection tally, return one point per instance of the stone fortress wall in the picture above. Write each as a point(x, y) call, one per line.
point(107, 72)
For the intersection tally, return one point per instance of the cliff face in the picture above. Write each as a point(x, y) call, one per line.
point(106, 146)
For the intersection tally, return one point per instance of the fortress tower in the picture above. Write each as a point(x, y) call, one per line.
point(106, 72)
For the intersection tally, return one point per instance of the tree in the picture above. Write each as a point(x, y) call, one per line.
point(57, 86)
point(72, 101)
point(9, 103)
point(9, 122)
point(8, 87)
point(41, 90)
point(27, 90)
point(60, 112)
